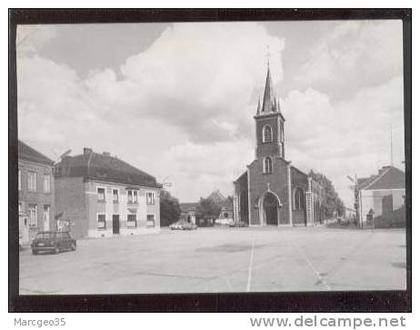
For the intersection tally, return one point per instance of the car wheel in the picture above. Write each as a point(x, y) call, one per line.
point(73, 246)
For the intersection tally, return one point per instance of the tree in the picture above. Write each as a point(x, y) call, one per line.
point(331, 201)
point(169, 209)
point(207, 209)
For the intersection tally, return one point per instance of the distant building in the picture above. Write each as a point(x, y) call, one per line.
point(188, 212)
point(226, 207)
point(226, 211)
point(101, 196)
point(271, 191)
point(380, 194)
point(36, 193)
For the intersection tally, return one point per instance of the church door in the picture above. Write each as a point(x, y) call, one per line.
point(271, 206)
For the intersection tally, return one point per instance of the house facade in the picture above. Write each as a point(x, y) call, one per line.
point(380, 194)
point(99, 195)
point(271, 191)
point(188, 212)
point(36, 193)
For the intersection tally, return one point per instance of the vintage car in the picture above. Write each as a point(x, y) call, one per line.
point(238, 224)
point(183, 225)
point(53, 241)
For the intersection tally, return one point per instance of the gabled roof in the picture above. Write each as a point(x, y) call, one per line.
point(227, 204)
point(185, 207)
point(104, 167)
point(389, 177)
point(216, 196)
point(25, 152)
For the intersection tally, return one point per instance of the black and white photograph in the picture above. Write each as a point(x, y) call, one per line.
point(212, 157)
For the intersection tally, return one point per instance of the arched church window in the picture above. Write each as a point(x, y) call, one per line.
point(267, 134)
point(268, 165)
point(299, 199)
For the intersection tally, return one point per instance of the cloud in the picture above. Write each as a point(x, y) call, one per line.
point(183, 107)
point(199, 78)
point(354, 55)
point(204, 168)
point(348, 136)
point(31, 38)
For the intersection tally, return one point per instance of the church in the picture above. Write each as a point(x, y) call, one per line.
point(272, 191)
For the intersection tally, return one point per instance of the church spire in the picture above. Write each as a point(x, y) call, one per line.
point(259, 106)
point(269, 98)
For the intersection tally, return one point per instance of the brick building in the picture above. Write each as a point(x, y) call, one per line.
point(272, 191)
point(36, 193)
point(101, 196)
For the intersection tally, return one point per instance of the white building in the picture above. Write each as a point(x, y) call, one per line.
point(380, 194)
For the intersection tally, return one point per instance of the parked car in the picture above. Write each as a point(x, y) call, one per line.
point(183, 225)
point(53, 241)
point(238, 224)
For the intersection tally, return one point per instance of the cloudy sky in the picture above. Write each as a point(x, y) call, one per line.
point(177, 100)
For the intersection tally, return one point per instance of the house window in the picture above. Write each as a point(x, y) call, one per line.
point(150, 198)
point(20, 207)
point(267, 134)
point(19, 180)
point(101, 221)
point(47, 183)
point(31, 181)
point(150, 220)
point(298, 199)
point(268, 165)
point(32, 211)
point(101, 194)
point(115, 195)
point(131, 220)
point(132, 196)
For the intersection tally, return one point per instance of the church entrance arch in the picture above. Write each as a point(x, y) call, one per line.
point(270, 208)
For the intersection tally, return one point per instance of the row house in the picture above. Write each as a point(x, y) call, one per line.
point(99, 195)
point(36, 193)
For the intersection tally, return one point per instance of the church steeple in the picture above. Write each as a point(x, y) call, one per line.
point(269, 123)
point(269, 99)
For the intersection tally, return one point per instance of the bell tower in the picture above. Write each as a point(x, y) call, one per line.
point(269, 123)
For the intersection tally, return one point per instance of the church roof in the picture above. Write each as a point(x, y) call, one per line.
point(269, 98)
point(270, 104)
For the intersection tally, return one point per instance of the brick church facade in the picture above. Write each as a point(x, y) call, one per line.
point(271, 191)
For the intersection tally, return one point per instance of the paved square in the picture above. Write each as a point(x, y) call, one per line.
point(223, 260)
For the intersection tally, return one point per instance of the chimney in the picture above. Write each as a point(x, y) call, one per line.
point(87, 151)
point(106, 153)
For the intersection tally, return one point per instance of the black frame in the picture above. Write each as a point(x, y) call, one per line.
point(340, 301)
